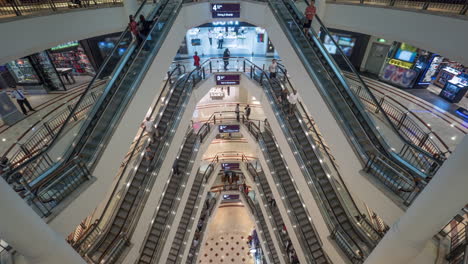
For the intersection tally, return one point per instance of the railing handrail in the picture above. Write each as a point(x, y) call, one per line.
point(120, 177)
point(325, 148)
point(353, 97)
point(88, 88)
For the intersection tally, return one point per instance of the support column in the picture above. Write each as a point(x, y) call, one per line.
point(27, 233)
point(445, 195)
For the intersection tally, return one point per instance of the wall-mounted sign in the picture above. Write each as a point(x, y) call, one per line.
point(228, 79)
point(67, 45)
point(230, 166)
point(229, 128)
point(402, 64)
point(225, 10)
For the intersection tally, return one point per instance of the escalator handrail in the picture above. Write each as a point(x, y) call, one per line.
point(325, 148)
point(136, 146)
point(336, 69)
point(328, 202)
point(301, 232)
point(206, 175)
point(410, 169)
point(125, 228)
point(85, 92)
point(137, 51)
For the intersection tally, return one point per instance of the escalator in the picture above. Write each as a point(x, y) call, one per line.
point(347, 107)
point(359, 240)
point(191, 207)
point(166, 211)
point(144, 176)
point(127, 72)
point(307, 236)
point(272, 255)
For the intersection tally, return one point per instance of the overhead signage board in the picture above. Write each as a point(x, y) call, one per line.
point(220, 10)
point(227, 79)
point(229, 128)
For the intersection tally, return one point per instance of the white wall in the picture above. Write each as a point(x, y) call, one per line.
point(444, 35)
point(29, 35)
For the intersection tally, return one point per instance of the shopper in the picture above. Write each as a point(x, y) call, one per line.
point(309, 15)
point(220, 40)
point(148, 126)
point(272, 68)
point(196, 60)
point(247, 111)
point(237, 112)
point(175, 168)
point(144, 26)
point(133, 26)
point(149, 154)
point(226, 56)
point(292, 99)
point(210, 36)
point(21, 100)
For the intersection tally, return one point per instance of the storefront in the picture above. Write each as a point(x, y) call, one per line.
point(211, 39)
point(409, 67)
point(352, 44)
point(61, 67)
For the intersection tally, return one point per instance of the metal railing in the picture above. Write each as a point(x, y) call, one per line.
point(335, 67)
point(98, 229)
point(456, 232)
point(46, 131)
point(194, 249)
point(23, 8)
point(457, 7)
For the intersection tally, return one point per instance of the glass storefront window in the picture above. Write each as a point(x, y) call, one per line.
point(23, 72)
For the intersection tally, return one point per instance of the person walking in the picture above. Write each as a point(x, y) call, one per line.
point(133, 26)
point(247, 111)
point(210, 36)
point(237, 112)
point(272, 68)
point(310, 12)
point(292, 99)
point(196, 60)
point(226, 56)
point(21, 100)
point(220, 40)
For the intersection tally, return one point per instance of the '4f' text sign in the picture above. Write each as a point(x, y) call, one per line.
point(223, 79)
point(225, 10)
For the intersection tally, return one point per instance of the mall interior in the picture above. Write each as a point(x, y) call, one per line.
point(230, 132)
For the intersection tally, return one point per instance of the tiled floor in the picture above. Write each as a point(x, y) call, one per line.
point(226, 236)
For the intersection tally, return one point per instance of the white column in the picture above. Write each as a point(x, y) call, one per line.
point(445, 195)
point(28, 234)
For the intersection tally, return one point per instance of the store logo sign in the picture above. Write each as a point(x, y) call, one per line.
point(401, 64)
point(225, 10)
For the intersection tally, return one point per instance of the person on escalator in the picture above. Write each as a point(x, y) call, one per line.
point(292, 99)
point(237, 111)
point(272, 69)
point(310, 12)
point(133, 27)
point(175, 168)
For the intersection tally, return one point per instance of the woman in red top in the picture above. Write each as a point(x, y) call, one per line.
point(133, 27)
point(309, 15)
point(196, 60)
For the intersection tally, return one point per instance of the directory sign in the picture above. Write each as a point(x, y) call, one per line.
point(220, 10)
point(229, 128)
point(227, 79)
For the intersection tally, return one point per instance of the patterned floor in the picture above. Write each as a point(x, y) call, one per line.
point(226, 240)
